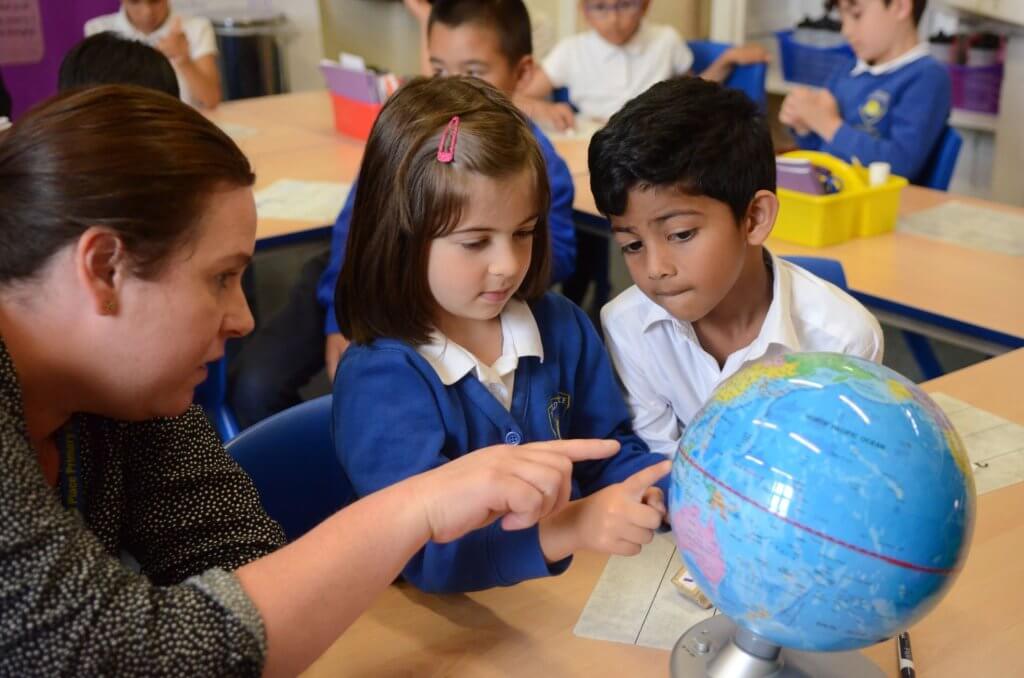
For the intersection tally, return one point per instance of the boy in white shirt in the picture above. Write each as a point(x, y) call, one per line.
point(686, 175)
point(620, 57)
point(188, 43)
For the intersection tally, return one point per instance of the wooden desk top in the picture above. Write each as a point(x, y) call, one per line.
point(526, 630)
point(973, 286)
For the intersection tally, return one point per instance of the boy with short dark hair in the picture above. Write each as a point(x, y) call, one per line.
point(686, 175)
point(107, 59)
point(892, 107)
point(487, 39)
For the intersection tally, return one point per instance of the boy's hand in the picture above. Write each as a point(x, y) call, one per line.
point(419, 9)
point(519, 484)
point(809, 109)
point(747, 54)
point(553, 115)
point(618, 520)
point(174, 45)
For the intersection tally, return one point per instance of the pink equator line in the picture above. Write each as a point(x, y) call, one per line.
point(806, 528)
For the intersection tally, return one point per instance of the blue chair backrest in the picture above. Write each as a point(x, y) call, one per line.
point(939, 170)
point(212, 396)
point(290, 458)
point(826, 269)
point(749, 79)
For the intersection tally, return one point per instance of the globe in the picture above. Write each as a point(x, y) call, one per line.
point(821, 501)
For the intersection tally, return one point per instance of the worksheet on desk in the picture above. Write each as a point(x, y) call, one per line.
point(315, 201)
point(635, 602)
point(969, 226)
point(994, 445)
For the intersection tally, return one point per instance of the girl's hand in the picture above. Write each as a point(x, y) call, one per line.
point(520, 484)
point(419, 9)
point(618, 520)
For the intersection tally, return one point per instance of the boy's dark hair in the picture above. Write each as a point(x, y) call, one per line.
point(509, 18)
point(919, 7)
point(407, 198)
point(695, 135)
point(107, 59)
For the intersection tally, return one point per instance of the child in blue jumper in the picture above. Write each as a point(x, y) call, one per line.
point(892, 107)
point(455, 344)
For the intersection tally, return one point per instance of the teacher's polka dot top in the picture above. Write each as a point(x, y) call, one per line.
point(164, 491)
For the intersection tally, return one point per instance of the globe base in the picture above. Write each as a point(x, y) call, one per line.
point(711, 648)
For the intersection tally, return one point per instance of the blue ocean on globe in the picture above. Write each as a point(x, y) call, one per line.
point(822, 501)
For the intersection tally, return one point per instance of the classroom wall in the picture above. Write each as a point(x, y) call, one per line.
point(62, 23)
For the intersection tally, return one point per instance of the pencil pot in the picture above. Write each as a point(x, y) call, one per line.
point(354, 118)
point(810, 64)
point(858, 210)
point(976, 88)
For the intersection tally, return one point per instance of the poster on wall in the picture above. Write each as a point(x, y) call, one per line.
point(21, 32)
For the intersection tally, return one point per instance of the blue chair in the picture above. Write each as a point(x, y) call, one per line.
point(290, 457)
point(749, 79)
point(826, 269)
point(211, 395)
point(942, 162)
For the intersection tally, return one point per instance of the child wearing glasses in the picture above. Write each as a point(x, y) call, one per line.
point(620, 57)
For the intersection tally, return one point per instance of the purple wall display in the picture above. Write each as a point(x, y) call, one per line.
point(34, 78)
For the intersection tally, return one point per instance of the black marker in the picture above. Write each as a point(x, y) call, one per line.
point(905, 656)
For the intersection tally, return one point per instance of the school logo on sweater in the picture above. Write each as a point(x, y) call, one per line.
point(874, 109)
point(558, 406)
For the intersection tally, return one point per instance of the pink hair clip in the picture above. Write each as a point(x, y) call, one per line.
point(446, 149)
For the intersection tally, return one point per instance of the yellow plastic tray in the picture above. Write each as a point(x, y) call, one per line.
point(856, 211)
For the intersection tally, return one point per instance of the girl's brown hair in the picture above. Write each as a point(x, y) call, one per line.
point(131, 159)
point(407, 198)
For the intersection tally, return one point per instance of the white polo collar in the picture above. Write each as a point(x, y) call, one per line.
point(520, 338)
point(777, 327)
point(919, 51)
point(636, 45)
point(125, 27)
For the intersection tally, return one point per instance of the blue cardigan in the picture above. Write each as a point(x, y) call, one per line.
point(393, 418)
point(896, 117)
point(563, 232)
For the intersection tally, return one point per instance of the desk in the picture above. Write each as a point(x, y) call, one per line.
point(955, 294)
point(526, 630)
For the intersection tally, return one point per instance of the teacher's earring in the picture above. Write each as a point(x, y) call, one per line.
point(109, 306)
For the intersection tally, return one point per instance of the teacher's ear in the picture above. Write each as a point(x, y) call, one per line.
point(101, 263)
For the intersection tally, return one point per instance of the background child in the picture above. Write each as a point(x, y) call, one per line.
point(455, 341)
point(893, 105)
point(188, 42)
point(106, 59)
point(620, 57)
point(487, 39)
point(686, 174)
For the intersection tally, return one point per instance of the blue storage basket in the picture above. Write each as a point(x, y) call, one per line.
point(811, 65)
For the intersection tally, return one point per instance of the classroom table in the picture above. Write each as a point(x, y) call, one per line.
point(526, 630)
point(956, 294)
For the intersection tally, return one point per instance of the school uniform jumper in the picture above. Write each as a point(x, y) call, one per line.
point(395, 418)
point(894, 112)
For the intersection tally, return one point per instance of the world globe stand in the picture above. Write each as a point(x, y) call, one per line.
point(717, 648)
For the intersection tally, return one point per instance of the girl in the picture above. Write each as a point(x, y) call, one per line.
point(187, 42)
point(457, 345)
point(127, 221)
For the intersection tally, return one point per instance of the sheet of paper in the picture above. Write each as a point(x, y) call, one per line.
point(636, 603)
point(994, 445)
point(315, 201)
point(969, 226)
point(237, 132)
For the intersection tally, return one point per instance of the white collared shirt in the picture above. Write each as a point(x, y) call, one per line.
point(667, 375)
point(919, 51)
point(199, 31)
point(602, 77)
point(520, 337)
